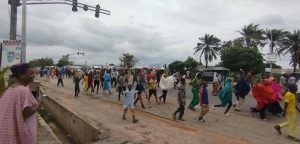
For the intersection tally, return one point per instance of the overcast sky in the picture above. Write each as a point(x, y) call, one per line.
point(155, 31)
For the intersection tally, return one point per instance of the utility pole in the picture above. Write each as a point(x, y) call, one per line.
point(23, 40)
point(13, 18)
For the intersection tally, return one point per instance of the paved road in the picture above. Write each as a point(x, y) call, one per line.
point(239, 125)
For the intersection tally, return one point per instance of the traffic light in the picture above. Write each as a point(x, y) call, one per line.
point(85, 7)
point(97, 11)
point(75, 4)
point(14, 2)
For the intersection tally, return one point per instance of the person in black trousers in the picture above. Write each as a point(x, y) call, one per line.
point(140, 89)
point(164, 85)
point(121, 86)
point(181, 101)
point(97, 78)
point(60, 81)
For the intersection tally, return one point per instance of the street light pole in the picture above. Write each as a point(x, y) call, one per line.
point(23, 40)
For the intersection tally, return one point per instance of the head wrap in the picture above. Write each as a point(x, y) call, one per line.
point(19, 69)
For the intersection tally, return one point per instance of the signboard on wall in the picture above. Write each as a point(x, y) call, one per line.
point(11, 53)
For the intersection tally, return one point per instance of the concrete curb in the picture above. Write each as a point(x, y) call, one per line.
point(80, 128)
point(46, 137)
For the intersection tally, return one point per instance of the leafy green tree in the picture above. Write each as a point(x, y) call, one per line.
point(64, 61)
point(236, 58)
point(40, 62)
point(177, 66)
point(253, 36)
point(238, 42)
point(209, 47)
point(128, 60)
point(292, 45)
point(190, 63)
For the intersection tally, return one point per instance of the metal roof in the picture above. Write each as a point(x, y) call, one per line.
point(217, 68)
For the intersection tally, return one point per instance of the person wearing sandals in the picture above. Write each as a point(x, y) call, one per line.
point(180, 100)
point(225, 96)
point(290, 107)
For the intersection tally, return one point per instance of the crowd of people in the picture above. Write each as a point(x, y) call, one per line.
point(132, 85)
point(268, 92)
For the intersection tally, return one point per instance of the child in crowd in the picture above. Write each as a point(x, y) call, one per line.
point(128, 103)
point(203, 101)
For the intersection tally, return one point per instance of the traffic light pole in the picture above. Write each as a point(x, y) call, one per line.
point(13, 16)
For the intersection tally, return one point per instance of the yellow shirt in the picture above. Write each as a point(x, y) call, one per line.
point(290, 98)
point(152, 84)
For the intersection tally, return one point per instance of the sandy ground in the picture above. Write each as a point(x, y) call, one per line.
point(157, 127)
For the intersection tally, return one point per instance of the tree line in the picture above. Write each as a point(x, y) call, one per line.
point(244, 50)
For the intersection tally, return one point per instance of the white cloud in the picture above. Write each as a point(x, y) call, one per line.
point(156, 31)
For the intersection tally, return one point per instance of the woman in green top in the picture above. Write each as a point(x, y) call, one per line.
point(196, 83)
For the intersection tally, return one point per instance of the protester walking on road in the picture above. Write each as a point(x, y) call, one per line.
point(134, 78)
point(290, 107)
point(107, 82)
point(60, 80)
point(90, 82)
point(128, 103)
point(97, 78)
point(85, 81)
point(153, 89)
point(242, 89)
point(181, 101)
point(215, 85)
point(203, 101)
point(140, 89)
point(195, 83)
point(76, 80)
point(165, 84)
point(18, 122)
point(113, 78)
point(121, 86)
point(225, 96)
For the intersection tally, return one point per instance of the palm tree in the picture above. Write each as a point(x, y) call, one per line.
point(275, 38)
point(252, 36)
point(209, 47)
point(292, 45)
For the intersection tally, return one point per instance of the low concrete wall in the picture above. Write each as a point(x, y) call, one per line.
point(81, 130)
